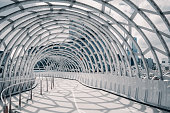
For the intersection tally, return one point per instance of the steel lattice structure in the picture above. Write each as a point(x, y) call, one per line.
point(90, 36)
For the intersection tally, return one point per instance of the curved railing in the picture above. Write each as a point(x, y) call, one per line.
point(3, 95)
point(150, 92)
point(139, 90)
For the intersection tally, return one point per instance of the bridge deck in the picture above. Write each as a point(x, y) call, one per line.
point(69, 96)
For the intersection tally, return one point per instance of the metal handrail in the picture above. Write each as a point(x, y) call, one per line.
point(2, 93)
point(8, 80)
point(3, 96)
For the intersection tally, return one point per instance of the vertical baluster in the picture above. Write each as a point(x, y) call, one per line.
point(20, 96)
point(40, 87)
point(51, 83)
point(5, 107)
point(47, 83)
point(31, 91)
point(10, 102)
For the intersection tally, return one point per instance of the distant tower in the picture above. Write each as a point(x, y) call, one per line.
point(134, 50)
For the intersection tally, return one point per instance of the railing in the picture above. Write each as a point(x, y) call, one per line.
point(151, 92)
point(3, 95)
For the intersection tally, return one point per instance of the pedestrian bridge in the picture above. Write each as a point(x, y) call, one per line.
point(118, 46)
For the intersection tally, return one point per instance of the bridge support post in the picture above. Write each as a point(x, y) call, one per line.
point(31, 91)
point(129, 91)
point(20, 96)
point(159, 98)
point(47, 83)
point(146, 96)
point(5, 109)
point(10, 102)
point(53, 81)
point(40, 87)
point(137, 93)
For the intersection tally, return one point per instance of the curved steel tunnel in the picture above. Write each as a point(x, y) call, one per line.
point(95, 36)
point(104, 38)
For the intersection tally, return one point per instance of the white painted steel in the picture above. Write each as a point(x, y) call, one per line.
point(94, 43)
point(155, 93)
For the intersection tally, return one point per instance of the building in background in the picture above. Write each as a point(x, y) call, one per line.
point(150, 63)
point(165, 65)
point(134, 50)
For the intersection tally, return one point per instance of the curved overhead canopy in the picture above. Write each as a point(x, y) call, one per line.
point(93, 36)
